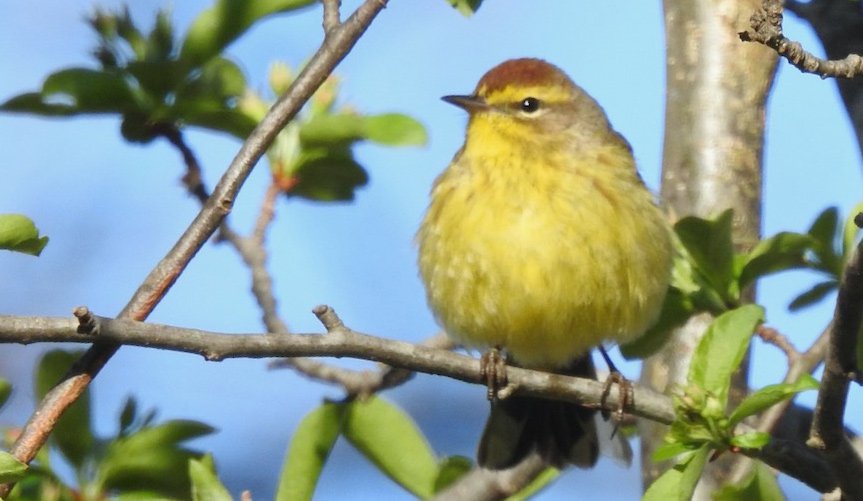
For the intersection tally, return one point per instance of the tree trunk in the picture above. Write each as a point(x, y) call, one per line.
point(717, 87)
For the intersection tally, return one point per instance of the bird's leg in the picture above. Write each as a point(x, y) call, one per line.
point(492, 370)
point(624, 388)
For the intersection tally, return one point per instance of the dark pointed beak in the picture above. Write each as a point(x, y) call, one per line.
point(468, 103)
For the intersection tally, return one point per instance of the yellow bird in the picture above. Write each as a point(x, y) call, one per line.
point(541, 239)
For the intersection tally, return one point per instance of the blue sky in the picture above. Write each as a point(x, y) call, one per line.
point(113, 209)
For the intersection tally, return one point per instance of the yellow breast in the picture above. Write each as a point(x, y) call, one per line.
point(546, 260)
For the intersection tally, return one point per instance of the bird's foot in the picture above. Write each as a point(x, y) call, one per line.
point(492, 370)
point(624, 387)
point(624, 395)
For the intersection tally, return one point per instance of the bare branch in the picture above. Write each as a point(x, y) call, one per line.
point(341, 341)
point(769, 421)
point(839, 26)
point(800, 363)
point(772, 336)
point(801, 463)
point(336, 45)
point(486, 485)
point(840, 368)
point(338, 341)
point(331, 14)
point(267, 213)
point(766, 29)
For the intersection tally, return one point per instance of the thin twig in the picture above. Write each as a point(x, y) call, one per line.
point(840, 368)
point(766, 28)
point(839, 27)
point(772, 336)
point(803, 363)
point(193, 179)
point(799, 364)
point(267, 213)
point(336, 45)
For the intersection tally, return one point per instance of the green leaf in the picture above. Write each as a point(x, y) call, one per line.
point(783, 251)
point(709, 244)
point(751, 440)
point(168, 434)
point(679, 482)
point(824, 236)
point(823, 229)
point(328, 178)
point(669, 450)
point(90, 91)
point(127, 416)
point(761, 485)
point(19, 234)
point(451, 469)
point(310, 447)
point(152, 459)
point(219, 79)
point(72, 434)
point(32, 102)
point(337, 129)
point(11, 470)
point(158, 78)
point(160, 42)
point(5, 391)
point(394, 129)
point(215, 28)
point(466, 7)
point(818, 292)
point(770, 396)
point(214, 115)
point(721, 350)
point(676, 309)
point(141, 495)
point(127, 30)
point(340, 129)
point(391, 440)
point(205, 483)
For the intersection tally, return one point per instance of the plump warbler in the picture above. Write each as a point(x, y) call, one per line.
point(542, 240)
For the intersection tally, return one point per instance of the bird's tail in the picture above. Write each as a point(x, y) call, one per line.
point(560, 432)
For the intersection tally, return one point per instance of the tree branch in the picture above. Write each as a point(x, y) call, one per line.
point(801, 363)
point(341, 341)
point(840, 368)
point(839, 26)
point(331, 14)
point(486, 485)
point(766, 29)
point(337, 43)
point(775, 419)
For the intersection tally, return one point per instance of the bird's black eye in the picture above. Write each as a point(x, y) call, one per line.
point(529, 104)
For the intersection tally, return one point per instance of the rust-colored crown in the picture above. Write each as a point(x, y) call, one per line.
point(526, 72)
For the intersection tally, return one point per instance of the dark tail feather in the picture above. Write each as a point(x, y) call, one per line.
point(561, 432)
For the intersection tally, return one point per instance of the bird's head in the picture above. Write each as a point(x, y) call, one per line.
point(530, 100)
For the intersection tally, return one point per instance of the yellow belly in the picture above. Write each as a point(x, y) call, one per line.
point(547, 263)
